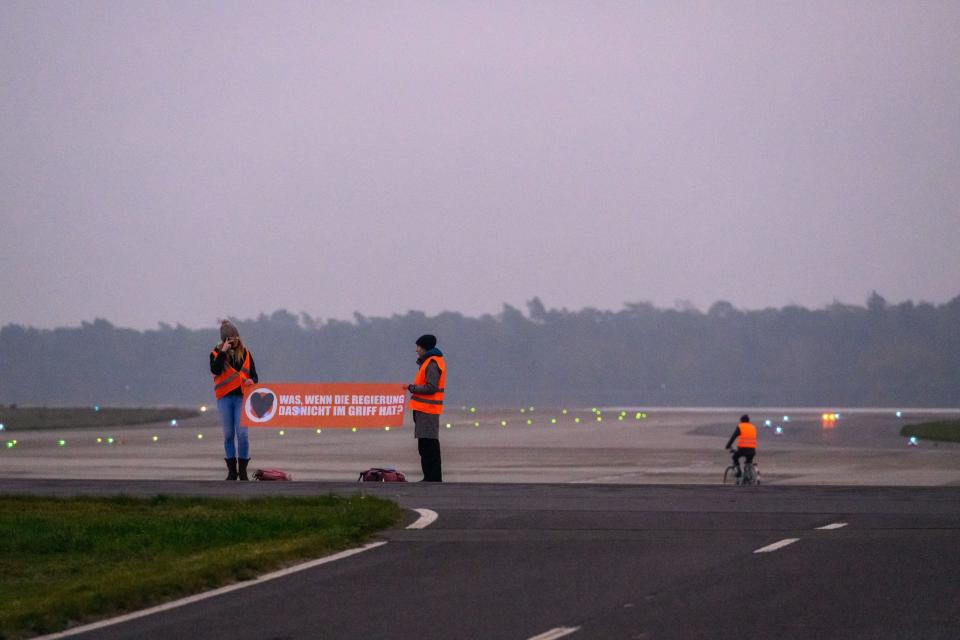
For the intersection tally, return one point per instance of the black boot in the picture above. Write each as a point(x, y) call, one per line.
point(243, 467)
point(231, 468)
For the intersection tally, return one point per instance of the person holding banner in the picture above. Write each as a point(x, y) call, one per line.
point(426, 400)
point(232, 367)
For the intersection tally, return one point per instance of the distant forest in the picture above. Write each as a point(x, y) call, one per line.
point(842, 355)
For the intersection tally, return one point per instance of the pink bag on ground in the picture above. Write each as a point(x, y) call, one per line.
point(271, 474)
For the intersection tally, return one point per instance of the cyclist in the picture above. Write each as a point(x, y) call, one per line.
point(746, 437)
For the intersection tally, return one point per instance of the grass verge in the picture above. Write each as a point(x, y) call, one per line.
point(942, 431)
point(20, 418)
point(67, 561)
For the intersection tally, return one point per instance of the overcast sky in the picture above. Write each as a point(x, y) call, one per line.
point(185, 161)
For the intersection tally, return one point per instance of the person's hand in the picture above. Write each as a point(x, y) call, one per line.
point(248, 382)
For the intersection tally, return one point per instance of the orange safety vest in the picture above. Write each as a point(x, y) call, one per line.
point(230, 379)
point(748, 436)
point(434, 402)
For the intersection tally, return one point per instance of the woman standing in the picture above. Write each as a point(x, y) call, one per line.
point(232, 367)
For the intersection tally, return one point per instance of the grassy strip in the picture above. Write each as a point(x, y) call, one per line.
point(943, 430)
point(66, 561)
point(20, 418)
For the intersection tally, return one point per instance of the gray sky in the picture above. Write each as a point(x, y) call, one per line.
point(184, 161)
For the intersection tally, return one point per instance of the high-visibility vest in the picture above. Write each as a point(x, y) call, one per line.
point(230, 379)
point(748, 436)
point(429, 403)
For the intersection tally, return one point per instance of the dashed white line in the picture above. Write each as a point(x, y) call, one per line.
point(425, 520)
point(553, 634)
point(834, 525)
point(776, 545)
point(210, 594)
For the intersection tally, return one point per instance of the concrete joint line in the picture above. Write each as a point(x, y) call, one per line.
point(553, 634)
point(425, 520)
point(776, 545)
point(211, 594)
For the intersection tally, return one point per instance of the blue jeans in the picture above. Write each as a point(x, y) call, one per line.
point(229, 408)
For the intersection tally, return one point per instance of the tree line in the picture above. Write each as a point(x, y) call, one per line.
point(842, 355)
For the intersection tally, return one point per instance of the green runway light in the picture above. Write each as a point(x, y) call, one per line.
point(62, 442)
point(595, 410)
point(553, 421)
point(599, 418)
point(620, 418)
point(529, 421)
point(473, 409)
point(354, 429)
point(110, 440)
point(577, 420)
point(637, 416)
point(9, 444)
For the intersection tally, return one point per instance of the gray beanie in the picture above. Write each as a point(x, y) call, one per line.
point(228, 330)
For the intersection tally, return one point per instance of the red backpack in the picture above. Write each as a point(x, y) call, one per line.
point(271, 474)
point(377, 474)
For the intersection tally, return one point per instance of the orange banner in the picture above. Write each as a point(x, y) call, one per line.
point(329, 405)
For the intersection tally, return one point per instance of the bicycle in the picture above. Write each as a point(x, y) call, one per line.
point(749, 474)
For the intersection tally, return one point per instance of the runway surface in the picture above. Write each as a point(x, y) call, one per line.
point(666, 446)
point(599, 561)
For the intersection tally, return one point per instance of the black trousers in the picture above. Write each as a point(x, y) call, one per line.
point(745, 452)
point(429, 449)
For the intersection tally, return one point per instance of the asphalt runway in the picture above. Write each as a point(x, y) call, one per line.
point(667, 446)
point(522, 561)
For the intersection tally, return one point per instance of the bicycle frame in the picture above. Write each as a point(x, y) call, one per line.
point(749, 474)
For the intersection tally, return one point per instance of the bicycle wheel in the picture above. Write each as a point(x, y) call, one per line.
point(727, 478)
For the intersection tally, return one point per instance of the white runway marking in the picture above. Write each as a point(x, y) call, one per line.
point(553, 634)
point(776, 545)
point(210, 594)
point(835, 525)
point(425, 520)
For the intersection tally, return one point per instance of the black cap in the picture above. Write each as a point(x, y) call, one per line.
point(427, 341)
point(744, 418)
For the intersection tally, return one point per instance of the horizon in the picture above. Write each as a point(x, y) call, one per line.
point(678, 306)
